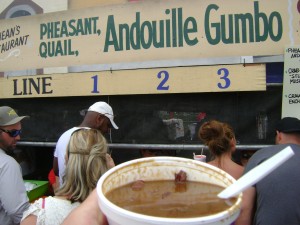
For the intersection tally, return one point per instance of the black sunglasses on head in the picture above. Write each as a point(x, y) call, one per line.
point(12, 133)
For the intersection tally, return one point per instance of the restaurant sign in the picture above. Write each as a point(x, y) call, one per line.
point(148, 31)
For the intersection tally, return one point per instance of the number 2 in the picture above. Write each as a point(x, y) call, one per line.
point(161, 85)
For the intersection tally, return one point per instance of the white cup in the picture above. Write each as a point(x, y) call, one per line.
point(163, 168)
point(201, 158)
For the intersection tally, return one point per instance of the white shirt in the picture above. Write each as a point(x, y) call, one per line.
point(13, 195)
point(61, 150)
point(50, 211)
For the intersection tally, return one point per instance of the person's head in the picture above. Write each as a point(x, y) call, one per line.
point(100, 116)
point(218, 136)
point(288, 131)
point(86, 162)
point(10, 128)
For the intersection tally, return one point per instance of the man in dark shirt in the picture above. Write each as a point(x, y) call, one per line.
point(275, 200)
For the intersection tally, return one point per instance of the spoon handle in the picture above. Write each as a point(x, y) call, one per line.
point(257, 173)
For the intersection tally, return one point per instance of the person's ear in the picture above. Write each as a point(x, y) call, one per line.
point(100, 120)
point(233, 142)
point(278, 136)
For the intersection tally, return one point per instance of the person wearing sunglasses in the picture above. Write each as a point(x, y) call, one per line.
point(13, 195)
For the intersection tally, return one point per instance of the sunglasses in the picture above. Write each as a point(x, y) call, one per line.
point(12, 133)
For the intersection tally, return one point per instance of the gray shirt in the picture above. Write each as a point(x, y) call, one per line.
point(278, 194)
point(13, 196)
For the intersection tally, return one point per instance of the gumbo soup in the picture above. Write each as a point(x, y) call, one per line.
point(166, 198)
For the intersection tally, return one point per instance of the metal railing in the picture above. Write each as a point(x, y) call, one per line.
point(189, 147)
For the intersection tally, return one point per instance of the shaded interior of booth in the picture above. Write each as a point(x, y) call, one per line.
point(153, 120)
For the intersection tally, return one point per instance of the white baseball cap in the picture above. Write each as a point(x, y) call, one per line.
point(104, 109)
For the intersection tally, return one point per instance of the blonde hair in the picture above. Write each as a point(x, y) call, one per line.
point(217, 136)
point(86, 163)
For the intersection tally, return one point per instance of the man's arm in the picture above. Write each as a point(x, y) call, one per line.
point(248, 205)
point(13, 193)
point(55, 166)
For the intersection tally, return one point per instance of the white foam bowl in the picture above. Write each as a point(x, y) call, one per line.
point(163, 168)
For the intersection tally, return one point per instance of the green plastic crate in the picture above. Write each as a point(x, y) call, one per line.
point(39, 191)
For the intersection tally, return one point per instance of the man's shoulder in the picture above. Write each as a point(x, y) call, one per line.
point(67, 133)
point(64, 139)
point(70, 131)
point(269, 151)
point(8, 162)
point(6, 158)
point(263, 154)
point(272, 150)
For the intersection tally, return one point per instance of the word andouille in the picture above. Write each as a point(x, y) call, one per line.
point(176, 30)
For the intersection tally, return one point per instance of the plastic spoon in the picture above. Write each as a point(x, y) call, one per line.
point(257, 173)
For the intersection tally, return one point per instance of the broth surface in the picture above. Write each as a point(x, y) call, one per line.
point(166, 198)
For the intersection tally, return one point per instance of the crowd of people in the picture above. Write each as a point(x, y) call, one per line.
point(81, 158)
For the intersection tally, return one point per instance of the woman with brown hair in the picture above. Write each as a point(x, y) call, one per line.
point(220, 139)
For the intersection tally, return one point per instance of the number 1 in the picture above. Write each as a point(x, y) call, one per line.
point(95, 88)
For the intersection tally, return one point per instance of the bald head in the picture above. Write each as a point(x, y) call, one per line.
point(97, 121)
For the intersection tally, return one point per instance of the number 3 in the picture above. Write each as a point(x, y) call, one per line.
point(224, 73)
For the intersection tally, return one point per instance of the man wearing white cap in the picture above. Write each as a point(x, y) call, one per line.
point(99, 116)
point(13, 195)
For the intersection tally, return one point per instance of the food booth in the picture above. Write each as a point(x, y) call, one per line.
point(165, 67)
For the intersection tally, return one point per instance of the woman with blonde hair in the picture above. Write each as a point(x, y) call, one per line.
point(86, 161)
point(220, 139)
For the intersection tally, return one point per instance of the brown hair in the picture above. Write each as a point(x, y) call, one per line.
point(217, 136)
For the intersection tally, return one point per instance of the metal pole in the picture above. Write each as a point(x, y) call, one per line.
point(190, 147)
